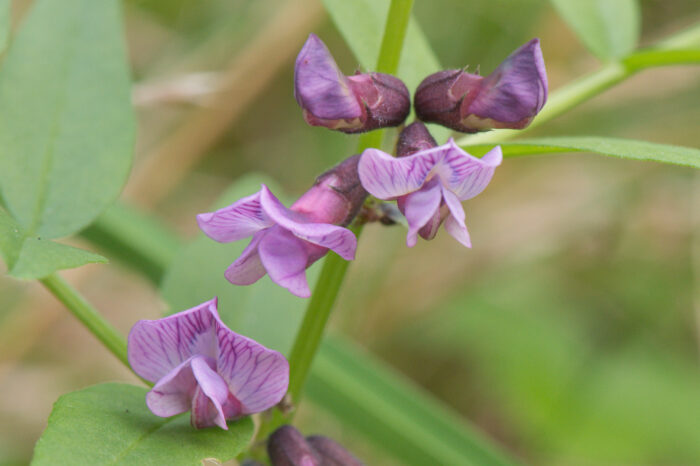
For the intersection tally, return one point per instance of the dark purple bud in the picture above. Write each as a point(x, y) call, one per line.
point(288, 447)
point(351, 104)
point(510, 97)
point(331, 453)
point(413, 138)
point(336, 197)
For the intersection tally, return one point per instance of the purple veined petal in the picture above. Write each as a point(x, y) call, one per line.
point(248, 268)
point(237, 221)
point(455, 221)
point(173, 393)
point(420, 207)
point(517, 89)
point(339, 239)
point(466, 175)
point(257, 376)
point(285, 260)
point(211, 395)
point(320, 87)
point(156, 347)
point(387, 177)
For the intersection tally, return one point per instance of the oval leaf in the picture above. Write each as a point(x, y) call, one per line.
point(110, 424)
point(66, 126)
point(608, 28)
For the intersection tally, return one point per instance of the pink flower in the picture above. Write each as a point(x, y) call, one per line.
point(429, 184)
point(200, 365)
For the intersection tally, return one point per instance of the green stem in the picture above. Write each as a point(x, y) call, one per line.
point(80, 308)
point(317, 314)
point(334, 268)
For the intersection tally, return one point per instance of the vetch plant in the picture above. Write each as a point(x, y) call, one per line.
point(65, 149)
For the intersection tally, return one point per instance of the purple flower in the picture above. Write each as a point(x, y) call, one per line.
point(287, 241)
point(429, 185)
point(510, 97)
point(351, 104)
point(200, 365)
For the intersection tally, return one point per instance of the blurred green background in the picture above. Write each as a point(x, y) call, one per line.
point(570, 333)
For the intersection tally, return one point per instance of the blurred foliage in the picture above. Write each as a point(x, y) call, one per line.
point(569, 333)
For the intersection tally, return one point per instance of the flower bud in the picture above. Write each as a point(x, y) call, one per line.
point(510, 97)
point(413, 138)
point(351, 104)
point(331, 453)
point(336, 197)
point(287, 447)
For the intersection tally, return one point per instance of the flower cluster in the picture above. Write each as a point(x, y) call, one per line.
point(196, 362)
point(428, 181)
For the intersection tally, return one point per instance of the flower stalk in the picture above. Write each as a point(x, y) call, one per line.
point(334, 268)
point(88, 316)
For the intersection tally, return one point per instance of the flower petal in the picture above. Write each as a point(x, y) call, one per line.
point(466, 175)
point(257, 376)
point(339, 239)
point(237, 221)
point(320, 87)
point(420, 207)
point(156, 347)
point(455, 221)
point(387, 177)
point(173, 393)
point(517, 89)
point(248, 268)
point(211, 395)
point(285, 260)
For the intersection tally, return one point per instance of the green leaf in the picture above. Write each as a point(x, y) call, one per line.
point(30, 257)
point(66, 126)
point(361, 23)
point(110, 424)
point(263, 311)
point(608, 28)
point(392, 412)
point(39, 258)
point(5, 24)
point(624, 148)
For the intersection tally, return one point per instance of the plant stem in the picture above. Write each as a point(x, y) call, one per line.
point(319, 309)
point(334, 268)
point(85, 313)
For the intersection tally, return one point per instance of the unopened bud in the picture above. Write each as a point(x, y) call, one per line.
point(413, 138)
point(331, 453)
point(351, 104)
point(336, 197)
point(510, 97)
point(288, 447)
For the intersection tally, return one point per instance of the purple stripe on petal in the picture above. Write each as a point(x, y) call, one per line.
point(387, 177)
point(466, 175)
point(257, 376)
point(237, 221)
point(285, 258)
point(248, 268)
point(420, 207)
point(339, 239)
point(155, 347)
